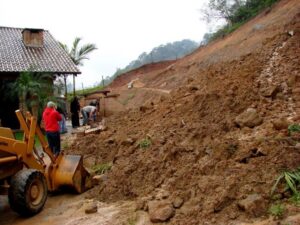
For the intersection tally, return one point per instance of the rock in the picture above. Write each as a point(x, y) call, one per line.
point(110, 140)
point(254, 205)
point(297, 146)
point(270, 91)
point(177, 202)
point(91, 208)
point(160, 211)
point(162, 194)
point(249, 118)
point(291, 33)
point(291, 80)
point(97, 179)
point(141, 204)
point(296, 91)
point(144, 108)
point(128, 142)
point(193, 88)
point(280, 124)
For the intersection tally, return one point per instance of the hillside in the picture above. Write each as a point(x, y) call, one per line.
point(214, 146)
point(164, 52)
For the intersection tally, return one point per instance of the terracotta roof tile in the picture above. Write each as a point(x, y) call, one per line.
point(16, 57)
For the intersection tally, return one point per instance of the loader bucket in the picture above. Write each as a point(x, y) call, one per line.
point(68, 171)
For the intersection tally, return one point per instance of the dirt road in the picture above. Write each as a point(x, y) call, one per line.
point(70, 210)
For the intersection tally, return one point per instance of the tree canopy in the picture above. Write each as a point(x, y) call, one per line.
point(169, 51)
point(234, 12)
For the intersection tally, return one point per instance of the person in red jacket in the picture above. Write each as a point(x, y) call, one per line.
point(51, 118)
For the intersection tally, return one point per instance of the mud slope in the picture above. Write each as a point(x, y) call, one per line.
point(203, 151)
point(142, 72)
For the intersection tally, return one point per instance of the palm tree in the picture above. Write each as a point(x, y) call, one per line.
point(77, 54)
point(33, 90)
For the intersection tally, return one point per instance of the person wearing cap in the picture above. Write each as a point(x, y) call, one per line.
point(51, 120)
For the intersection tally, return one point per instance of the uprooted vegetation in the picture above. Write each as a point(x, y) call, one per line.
point(214, 147)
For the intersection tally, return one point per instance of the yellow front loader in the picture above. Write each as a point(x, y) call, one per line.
point(29, 173)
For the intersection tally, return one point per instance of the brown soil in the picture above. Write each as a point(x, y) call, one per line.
point(197, 151)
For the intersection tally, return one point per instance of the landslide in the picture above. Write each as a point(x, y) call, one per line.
point(199, 152)
point(144, 71)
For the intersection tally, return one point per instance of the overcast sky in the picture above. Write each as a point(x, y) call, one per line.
point(121, 29)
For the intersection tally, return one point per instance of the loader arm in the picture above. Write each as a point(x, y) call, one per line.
point(63, 170)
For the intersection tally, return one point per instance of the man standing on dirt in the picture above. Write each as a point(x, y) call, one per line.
point(51, 119)
point(88, 113)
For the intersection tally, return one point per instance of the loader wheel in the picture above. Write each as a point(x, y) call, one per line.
point(28, 192)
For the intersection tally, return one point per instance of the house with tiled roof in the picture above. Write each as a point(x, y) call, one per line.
point(28, 49)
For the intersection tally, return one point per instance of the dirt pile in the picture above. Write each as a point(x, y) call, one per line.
point(191, 147)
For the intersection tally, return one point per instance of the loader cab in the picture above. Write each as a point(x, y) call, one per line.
point(8, 105)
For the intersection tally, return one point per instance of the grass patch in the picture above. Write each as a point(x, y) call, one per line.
point(145, 143)
point(277, 210)
point(292, 181)
point(295, 199)
point(19, 136)
point(128, 98)
point(101, 168)
point(65, 145)
point(131, 221)
point(293, 128)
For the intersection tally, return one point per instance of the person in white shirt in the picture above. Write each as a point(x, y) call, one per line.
point(88, 112)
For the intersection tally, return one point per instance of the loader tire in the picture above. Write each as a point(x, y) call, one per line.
point(27, 193)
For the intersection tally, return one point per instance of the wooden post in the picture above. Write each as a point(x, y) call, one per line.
point(66, 94)
point(74, 85)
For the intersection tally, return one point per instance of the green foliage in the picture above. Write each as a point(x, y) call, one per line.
point(293, 128)
point(78, 54)
point(86, 91)
point(19, 136)
point(145, 143)
point(34, 90)
point(292, 180)
point(295, 199)
point(101, 168)
point(277, 210)
point(235, 14)
point(131, 221)
point(169, 51)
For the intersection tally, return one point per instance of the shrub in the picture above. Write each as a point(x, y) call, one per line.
point(277, 210)
point(293, 128)
point(238, 17)
point(101, 168)
point(145, 143)
point(292, 180)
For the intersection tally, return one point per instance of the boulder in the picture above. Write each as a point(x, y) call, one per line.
point(91, 208)
point(160, 211)
point(254, 205)
point(128, 142)
point(177, 202)
point(162, 194)
point(270, 91)
point(110, 140)
point(97, 179)
point(280, 124)
point(249, 118)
